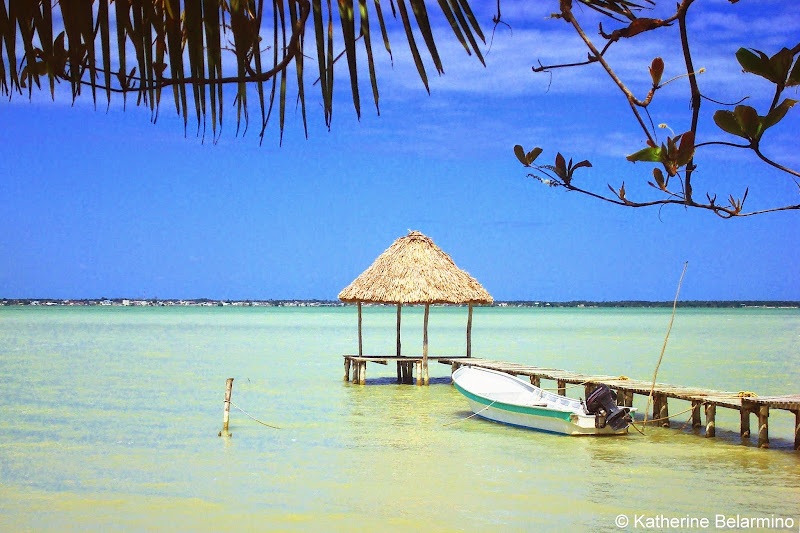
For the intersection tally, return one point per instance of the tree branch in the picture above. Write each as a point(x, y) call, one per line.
point(695, 91)
point(768, 161)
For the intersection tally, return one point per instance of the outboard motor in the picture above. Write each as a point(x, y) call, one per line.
point(602, 403)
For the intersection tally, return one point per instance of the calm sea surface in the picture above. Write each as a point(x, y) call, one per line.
point(110, 419)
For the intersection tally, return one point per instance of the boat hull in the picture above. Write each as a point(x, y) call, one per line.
point(504, 398)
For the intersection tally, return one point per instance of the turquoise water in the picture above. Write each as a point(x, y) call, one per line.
point(110, 422)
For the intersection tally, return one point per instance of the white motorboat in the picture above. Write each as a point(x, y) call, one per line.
point(504, 398)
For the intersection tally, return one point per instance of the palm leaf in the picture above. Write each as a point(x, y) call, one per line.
point(412, 43)
point(364, 17)
point(346, 16)
point(178, 44)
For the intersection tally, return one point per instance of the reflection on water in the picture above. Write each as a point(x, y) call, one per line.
point(111, 421)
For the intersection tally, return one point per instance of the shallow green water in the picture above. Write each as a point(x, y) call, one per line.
point(110, 421)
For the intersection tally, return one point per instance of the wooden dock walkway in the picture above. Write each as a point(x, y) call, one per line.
point(701, 398)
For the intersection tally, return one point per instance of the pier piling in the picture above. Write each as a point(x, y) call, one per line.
point(763, 426)
point(696, 421)
point(663, 411)
point(747, 408)
point(711, 424)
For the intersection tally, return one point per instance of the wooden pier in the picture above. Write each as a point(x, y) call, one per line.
point(705, 400)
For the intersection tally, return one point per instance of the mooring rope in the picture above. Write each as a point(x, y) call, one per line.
point(637, 429)
point(645, 421)
point(692, 408)
point(470, 416)
point(252, 417)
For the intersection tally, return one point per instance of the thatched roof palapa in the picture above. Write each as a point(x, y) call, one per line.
point(413, 270)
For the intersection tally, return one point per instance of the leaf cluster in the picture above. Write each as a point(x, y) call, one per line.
point(744, 121)
point(676, 155)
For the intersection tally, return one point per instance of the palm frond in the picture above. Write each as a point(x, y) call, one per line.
point(203, 46)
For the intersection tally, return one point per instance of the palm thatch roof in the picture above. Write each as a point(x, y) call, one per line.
point(413, 270)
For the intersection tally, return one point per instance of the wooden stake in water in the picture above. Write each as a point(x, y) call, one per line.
point(226, 413)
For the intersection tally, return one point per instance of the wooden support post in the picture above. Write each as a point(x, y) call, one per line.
point(656, 405)
point(355, 372)
point(347, 369)
point(425, 343)
point(620, 397)
point(629, 398)
point(362, 373)
point(763, 426)
point(663, 412)
point(226, 413)
point(536, 381)
point(744, 417)
point(696, 420)
point(469, 331)
point(711, 424)
point(797, 430)
point(360, 342)
point(399, 372)
point(562, 387)
point(418, 369)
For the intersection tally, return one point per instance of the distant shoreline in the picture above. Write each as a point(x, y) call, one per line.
point(206, 302)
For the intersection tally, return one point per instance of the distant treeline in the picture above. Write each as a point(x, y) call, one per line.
point(337, 303)
point(644, 303)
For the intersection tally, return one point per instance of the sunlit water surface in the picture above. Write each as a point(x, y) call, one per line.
point(110, 419)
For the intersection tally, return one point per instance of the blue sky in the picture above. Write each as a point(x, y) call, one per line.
point(100, 203)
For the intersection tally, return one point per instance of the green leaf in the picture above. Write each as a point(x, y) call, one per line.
point(775, 116)
point(748, 120)
point(755, 64)
point(780, 64)
point(726, 121)
point(651, 154)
